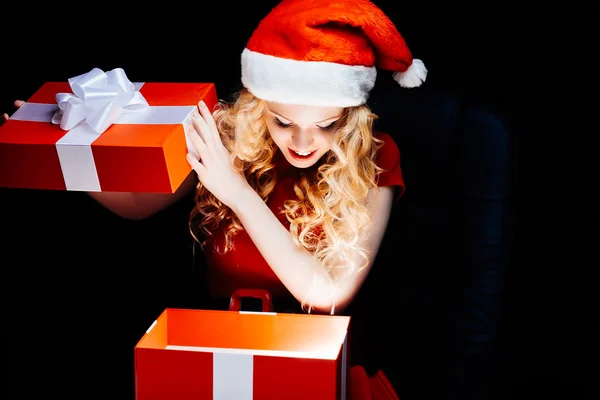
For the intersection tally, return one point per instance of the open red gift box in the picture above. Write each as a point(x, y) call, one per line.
point(99, 132)
point(225, 355)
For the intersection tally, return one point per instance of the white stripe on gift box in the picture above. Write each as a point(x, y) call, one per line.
point(237, 365)
point(233, 376)
point(74, 148)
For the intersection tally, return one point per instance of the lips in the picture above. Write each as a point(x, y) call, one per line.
point(301, 155)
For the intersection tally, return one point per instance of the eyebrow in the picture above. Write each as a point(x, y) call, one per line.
point(318, 122)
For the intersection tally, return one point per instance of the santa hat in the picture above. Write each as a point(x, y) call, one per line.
point(325, 53)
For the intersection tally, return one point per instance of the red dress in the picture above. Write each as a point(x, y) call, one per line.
point(244, 266)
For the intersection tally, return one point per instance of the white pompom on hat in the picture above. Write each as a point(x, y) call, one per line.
point(325, 53)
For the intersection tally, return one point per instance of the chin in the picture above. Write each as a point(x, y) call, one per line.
point(302, 165)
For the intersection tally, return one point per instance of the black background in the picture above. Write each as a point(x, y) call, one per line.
point(523, 60)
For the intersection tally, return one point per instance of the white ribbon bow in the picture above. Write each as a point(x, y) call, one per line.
point(99, 98)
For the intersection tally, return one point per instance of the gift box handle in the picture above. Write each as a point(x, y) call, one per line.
point(235, 302)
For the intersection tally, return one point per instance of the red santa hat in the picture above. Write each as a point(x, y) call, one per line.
point(325, 53)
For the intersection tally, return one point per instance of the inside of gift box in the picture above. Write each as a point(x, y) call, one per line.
point(271, 334)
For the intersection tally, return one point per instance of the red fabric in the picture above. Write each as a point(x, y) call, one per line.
point(388, 158)
point(349, 32)
point(364, 387)
point(381, 387)
point(244, 266)
point(359, 384)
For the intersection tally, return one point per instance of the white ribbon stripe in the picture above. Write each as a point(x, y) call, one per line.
point(233, 369)
point(233, 376)
point(98, 100)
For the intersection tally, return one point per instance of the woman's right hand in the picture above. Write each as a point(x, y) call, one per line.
point(18, 103)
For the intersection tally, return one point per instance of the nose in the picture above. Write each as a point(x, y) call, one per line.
point(302, 140)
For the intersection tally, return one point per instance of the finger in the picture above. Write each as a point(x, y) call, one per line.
point(210, 121)
point(196, 166)
point(203, 129)
point(5, 117)
point(197, 142)
point(208, 118)
point(19, 103)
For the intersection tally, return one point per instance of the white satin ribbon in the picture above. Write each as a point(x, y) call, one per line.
point(231, 368)
point(99, 98)
point(74, 148)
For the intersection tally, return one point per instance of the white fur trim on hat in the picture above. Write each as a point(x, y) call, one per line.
point(414, 76)
point(306, 82)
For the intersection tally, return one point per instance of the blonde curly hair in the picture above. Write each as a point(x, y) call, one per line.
point(329, 215)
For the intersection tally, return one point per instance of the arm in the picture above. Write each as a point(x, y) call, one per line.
point(295, 266)
point(306, 279)
point(135, 205)
point(143, 205)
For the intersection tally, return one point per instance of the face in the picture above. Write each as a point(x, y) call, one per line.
point(302, 133)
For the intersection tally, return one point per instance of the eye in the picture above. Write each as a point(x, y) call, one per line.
point(329, 127)
point(281, 124)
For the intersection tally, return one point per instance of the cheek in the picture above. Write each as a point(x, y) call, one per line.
point(325, 140)
point(276, 134)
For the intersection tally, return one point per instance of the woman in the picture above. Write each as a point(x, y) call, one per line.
point(293, 189)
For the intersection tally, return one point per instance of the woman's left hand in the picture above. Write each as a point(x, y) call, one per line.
point(214, 167)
